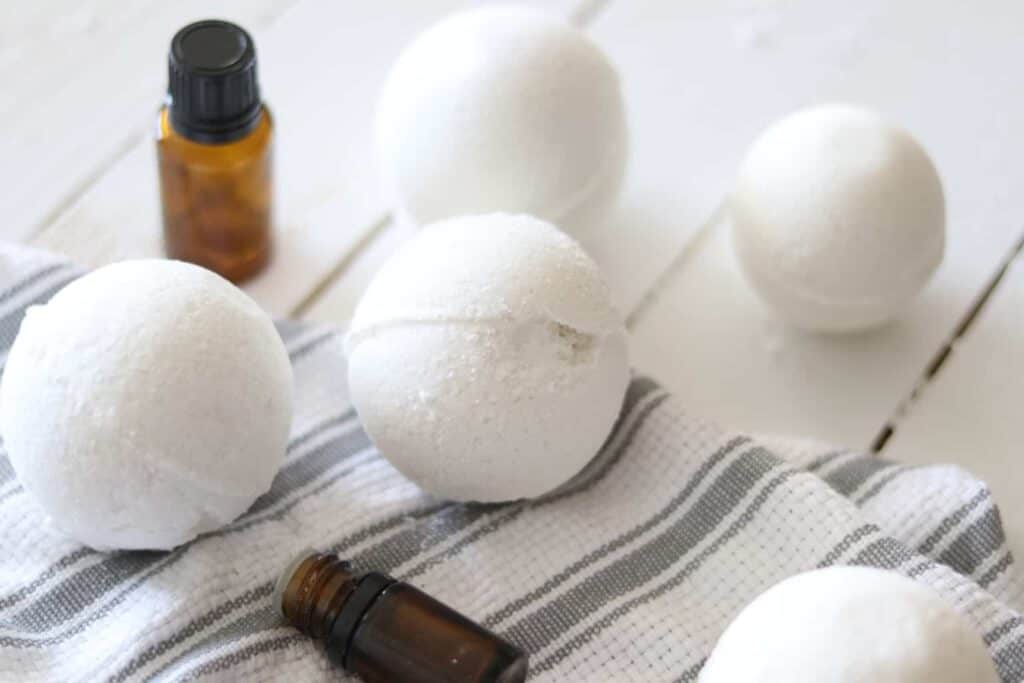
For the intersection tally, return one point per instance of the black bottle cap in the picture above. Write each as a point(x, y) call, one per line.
point(212, 88)
point(344, 627)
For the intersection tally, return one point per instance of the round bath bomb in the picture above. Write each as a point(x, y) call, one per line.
point(849, 625)
point(148, 402)
point(838, 218)
point(486, 360)
point(502, 109)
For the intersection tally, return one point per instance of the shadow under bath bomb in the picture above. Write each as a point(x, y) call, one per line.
point(838, 218)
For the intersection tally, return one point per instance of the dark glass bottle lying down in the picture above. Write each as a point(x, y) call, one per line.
point(386, 630)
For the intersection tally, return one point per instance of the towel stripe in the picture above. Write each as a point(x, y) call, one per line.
point(592, 557)
point(851, 475)
point(950, 522)
point(553, 619)
point(441, 521)
point(979, 541)
point(520, 508)
point(996, 570)
point(855, 538)
point(245, 654)
point(30, 280)
point(6, 471)
point(692, 673)
point(880, 485)
point(594, 629)
point(79, 591)
point(704, 495)
point(11, 323)
point(282, 484)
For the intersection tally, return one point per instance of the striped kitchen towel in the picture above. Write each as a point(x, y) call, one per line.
point(629, 572)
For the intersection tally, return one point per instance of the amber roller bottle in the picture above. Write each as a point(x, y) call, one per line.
point(388, 631)
point(214, 150)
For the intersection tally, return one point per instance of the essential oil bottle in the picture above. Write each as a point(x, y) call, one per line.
point(387, 631)
point(214, 150)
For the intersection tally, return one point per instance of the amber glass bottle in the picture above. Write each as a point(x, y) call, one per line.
point(387, 631)
point(214, 149)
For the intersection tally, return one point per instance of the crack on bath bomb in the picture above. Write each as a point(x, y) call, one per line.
point(485, 359)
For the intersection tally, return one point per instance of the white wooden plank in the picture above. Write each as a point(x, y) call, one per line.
point(699, 79)
point(81, 80)
point(659, 50)
point(702, 78)
point(729, 358)
point(972, 412)
point(729, 72)
point(321, 67)
point(337, 304)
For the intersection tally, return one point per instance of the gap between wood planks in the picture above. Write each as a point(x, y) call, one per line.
point(338, 269)
point(584, 13)
point(930, 370)
point(660, 283)
point(945, 352)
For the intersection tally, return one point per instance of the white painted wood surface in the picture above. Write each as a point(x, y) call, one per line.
point(321, 65)
point(707, 337)
point(972, 414)
point(79, 82)
point(701, 79)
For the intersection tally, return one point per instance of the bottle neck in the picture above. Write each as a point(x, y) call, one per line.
point(214, 132)
point(386, 630)
point(315, 595)
point(325, 600)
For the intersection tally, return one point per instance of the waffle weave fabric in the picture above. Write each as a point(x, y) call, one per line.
point(627, 573)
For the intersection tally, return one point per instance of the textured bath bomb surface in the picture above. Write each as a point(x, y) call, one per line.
point(502, 109)
point(849, 625)
point(148, 402)
point(838, 218)
point(486, 360)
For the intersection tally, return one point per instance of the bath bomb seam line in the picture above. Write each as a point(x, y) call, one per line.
point(355, 337)
point(807, 295)
point(478, 379)
point(578, 197)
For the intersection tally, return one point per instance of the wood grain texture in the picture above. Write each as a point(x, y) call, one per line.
point(81, 82)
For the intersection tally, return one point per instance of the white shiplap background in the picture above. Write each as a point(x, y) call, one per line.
point(80, 83)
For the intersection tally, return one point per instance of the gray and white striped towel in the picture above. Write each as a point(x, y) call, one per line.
point(629, 573)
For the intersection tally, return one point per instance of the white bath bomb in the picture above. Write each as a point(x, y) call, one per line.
point(849, 625)
point(838, 218)
point(486, 360)
point(502, 109)
point(148, 402)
